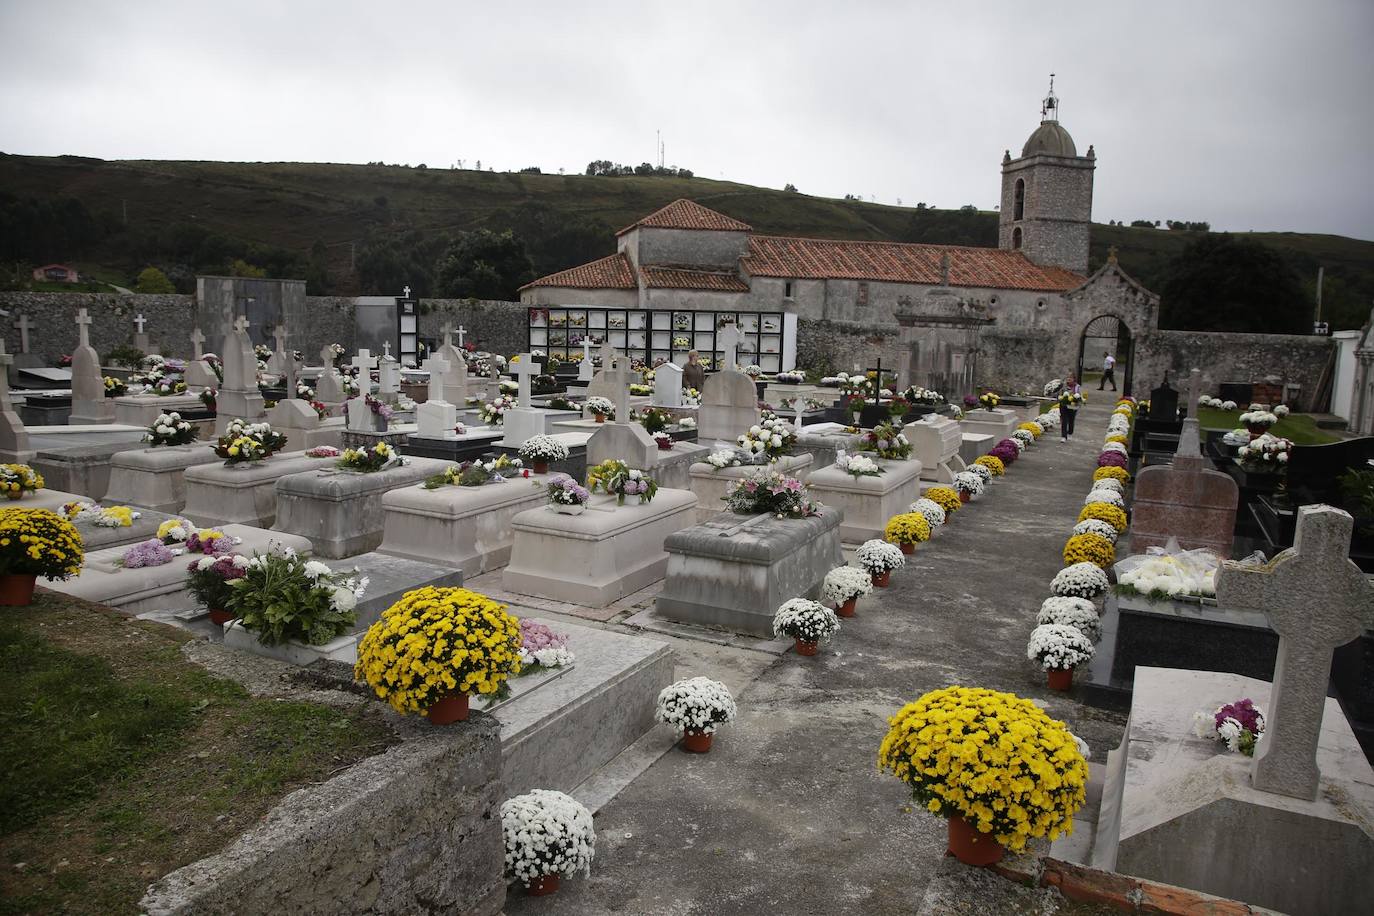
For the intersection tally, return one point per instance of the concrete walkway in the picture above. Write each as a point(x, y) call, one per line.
point(788, 812)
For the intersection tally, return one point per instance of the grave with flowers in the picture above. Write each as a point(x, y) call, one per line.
point(869, 486)
point(997, 422)
point(723, 468)
point(243, 493)
point(935, 442)
point(154, 477)
point(111, 524)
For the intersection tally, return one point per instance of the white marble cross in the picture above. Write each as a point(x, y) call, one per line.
point(197, 338)
point(729, 338)
point(407, 293)
point(386, 345)
point(363, 362)
point(586, 349)
point(1316, 599)
point(447, 331)
point(437, 366)
point(23, 324)
point(524, 370)
point(83, 321)
point(140, 321)
point(327, 357)
point(241, 324)
point(462, 332)
point(620, 377)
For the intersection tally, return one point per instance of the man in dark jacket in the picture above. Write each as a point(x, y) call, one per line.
point(694, 374)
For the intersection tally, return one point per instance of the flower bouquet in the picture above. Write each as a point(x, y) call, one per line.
point(844, 586)
point(854, 404)
point(1265, 452)
point(548, 836)
point(1114, 473)
point(771, 492)
point(541, 647)
point(655, 419)
point(151, 552)
point(380, 457)
point(540, 450)
point(880, 558)
point(968, 485)
point(434, 647)
point(981, 470)
point(1104, 496)
point(1240, 725)
point(33, 543)
point(1058, 649)
point(996, 466)
point(282, 597)
point(946, 498)
point(477, 472)
point(631, 482)
point(1071, 612)
point(858, 466)
point(1169, 574)
point(790, 377)
point(567, 495)
point(323, 451)
point(663, 440)
point(898, 407)
point(243, 442)
point(1023, 436)
point(933, 513)
point(208, 581)
point(209, 397)
point(114, 387)
point(170, 429)
point(988, 400)
point(996, 765)
point(1081, 580)
point(1035, 429)
point(806, 622)
point(1281, 410)
point(1089, 548)
point(1070, 400)
point(1258, 422)
point(887, 442)
point(695, 708)
point(600, 408)
point(18, 479)
point(84, 512)
point(493, 413)
point(906, 530)
point(770, 437)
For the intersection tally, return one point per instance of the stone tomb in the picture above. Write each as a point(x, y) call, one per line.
point(245, 493)
point(340, 510)
point(729, 406)
point(467, 527)
point(155, 478)
point(824, 442)
point(867, 502)
point(711, 483)
point(143, 409)
point(973, 446)
point(935, 442)
point(43, 498)
point(156, 588)
point(84, 468)
point(96, 537)
point(998, 422)
point(735, 571)
point(89, 404)
point(14, 438)
point(597, 557)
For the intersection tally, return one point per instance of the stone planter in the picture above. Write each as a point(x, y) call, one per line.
point(735, 570)
point(246, 494)
point(341, 649)
point(867, 502)
point(341, 512)
point(155, 478)
point(710, 484)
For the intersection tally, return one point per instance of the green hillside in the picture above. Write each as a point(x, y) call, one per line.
point(197, 216)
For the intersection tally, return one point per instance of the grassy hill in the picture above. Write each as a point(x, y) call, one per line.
point(281, 210)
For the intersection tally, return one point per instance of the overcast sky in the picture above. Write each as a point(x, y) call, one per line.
point(1252, 115)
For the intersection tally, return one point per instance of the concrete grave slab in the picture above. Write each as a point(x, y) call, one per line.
point(998, 422)
point(143, 409)
point(155, 478)
point(935, 442)
point(245, 494)
point(867, 502)
point(710, 483)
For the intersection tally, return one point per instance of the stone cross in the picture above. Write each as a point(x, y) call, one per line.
point(327, 357)
point(407, 293)
point(1316, 599)
point(288, 365)
point(620, 377)
point(23, 324)
point(437, 366)
point(5, 361)
point(462, 332)
point(607, 354)
point(800, 405)
point(363, 362)
point(83, 321)
point(525, 369)
point(279, 335)
point(386, 345)
point(241, 324)
point(586, 349)
point(447, 331)
point(1189, 451)
point(944, 269)
point(729, 338)
point(197, 338)
point(140, 321)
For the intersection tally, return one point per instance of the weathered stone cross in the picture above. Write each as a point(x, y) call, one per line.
point(447, 331)
point(1316, 599)
point(140, 321)
point(729, 338)
point(586, 349)
point(241, 324)
point(197, 338)
point(407, 293)
point(23, 324)
point(363, 362)
point(386, 346)
point(438, 367)
point(525, 369)
point(1188, 455)
point(83, 321)
point(462, 332)
point(620, 376)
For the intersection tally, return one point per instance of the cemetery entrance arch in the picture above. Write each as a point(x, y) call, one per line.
point(1107, 332)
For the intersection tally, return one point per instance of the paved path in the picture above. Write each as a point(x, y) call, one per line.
point(789, 812)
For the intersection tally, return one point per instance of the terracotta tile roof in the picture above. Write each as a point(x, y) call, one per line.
point(687, 278)
point(686, 214)
point(611, 272)
point(896, 262)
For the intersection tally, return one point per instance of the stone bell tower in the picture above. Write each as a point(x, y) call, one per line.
point(1047, 195)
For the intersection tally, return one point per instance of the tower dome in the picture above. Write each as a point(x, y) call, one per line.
point(1049, 139)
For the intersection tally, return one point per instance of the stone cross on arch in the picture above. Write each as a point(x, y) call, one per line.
point(620, 376)
point(197, 338)
point(729, 337)
point(279, 335)
point(83, 322)
point(438, 367)
point(462, 332)
point(524, 370)
point(23, 324)
point(1316, 599)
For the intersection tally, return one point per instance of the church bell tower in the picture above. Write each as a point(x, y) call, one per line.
point(1047, 195)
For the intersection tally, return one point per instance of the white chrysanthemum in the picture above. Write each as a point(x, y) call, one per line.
point(968, 482)
point(1109, 483)
point(1057, 647)
point(1097, 527)
point(1110, 497)
point(1115, 447)
point(1080, 580)
point(879, 556)
point(1071, 612)
point(547, 833)
point(809, 621)
point(696, 704)
point(934, 513)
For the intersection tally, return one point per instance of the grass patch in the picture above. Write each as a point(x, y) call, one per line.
point(1301, 428)
point(124, 761)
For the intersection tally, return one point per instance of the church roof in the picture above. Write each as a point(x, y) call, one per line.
point(687, 214)
point(1049, 139)
point(689, 278)
point(611, 272)
point(897, 262)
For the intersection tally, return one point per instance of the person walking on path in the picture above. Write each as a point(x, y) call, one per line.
point(1070, 399)
point(1108, 371)
point(694, 373)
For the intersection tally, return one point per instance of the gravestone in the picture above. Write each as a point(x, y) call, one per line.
point(363, 363)
point(141, 342)
point(935, 442)
point(1164, 403)
point(14, 439)
point(456, 376)
point(1187, 499)
point(276, 363)
point(436, 417)
point(668, 386)
point(89, 404)
point(1316, 600)
point(388, 375)
point(329, 388)
point(238, 397)
point(199, 375)
point(25, 359)
point(730, 400)
point(600, 386)
point(523, 420)
point(729, 337)
point(586, 369)
point(360, 417)
point(622, 439)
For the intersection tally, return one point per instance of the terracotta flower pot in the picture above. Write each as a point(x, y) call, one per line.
point(1256, 430)
point(600, 417)
point(16, 589)
point(452, 708)
point(220, 617)
point(965, 496)
point(908, 547)
point(971, 847)
point(543, 885)
point(847, 608)
point(541, 467)
point(1060, 678)
point(880, 579)
point(804, 647)
point(697, 742)
point(15, 494)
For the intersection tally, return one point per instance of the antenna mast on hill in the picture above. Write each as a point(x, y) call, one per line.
point(658, 143)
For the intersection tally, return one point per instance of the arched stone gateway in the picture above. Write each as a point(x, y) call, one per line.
point(1102, 335)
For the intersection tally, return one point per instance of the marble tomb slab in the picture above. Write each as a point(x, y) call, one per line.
point(155, 478)
point(998, 422)
point(867, 502)
point(245, 494)
point(143, 409)
point(710, 483)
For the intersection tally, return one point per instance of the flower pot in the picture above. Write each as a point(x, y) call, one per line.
point(805, 648)
point(907, 547)
point(542, 886)
point(15, 495)
point(971, 847)
point(697, 742)
point(1060, 678)
point(665, 445)
point(16, 589)
point(880, 579)
point(965, 496)
point(452, 708)
point(541, 467)
point(1256, 430)
point(562, 509)
point(847, 608)
point(219, 618)
point(600, 417)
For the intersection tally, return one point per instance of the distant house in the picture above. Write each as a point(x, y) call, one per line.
point(56, 273)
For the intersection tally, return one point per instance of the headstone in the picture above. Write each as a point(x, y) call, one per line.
point(25, 359)
point(729, 406)
point(276, 363)
point(360, 416)
point(364, 362)
point(1317, 599)
point(436, 417)
point(586, 369)
point(199, 375)
point(601, 386)
point(525, 369)
point(729, 337)
point(89, 404)
point(1164, 403)
point(668, 386)
point(238, 397)
point(622, 439)
point(141, 342)
point(456, 376)
point(935, 442)
point(23, 324)
point(329, 386)
point(14, 439)
point(1187, 500)
point(388, 375)
point(523, 421)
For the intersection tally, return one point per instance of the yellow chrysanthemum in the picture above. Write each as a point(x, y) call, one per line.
point(1089, 548)
point(945, 497)
point(1104, 512)
point(993, 464)
point(907, 528)
point(1120, 474)
point(38, 542)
